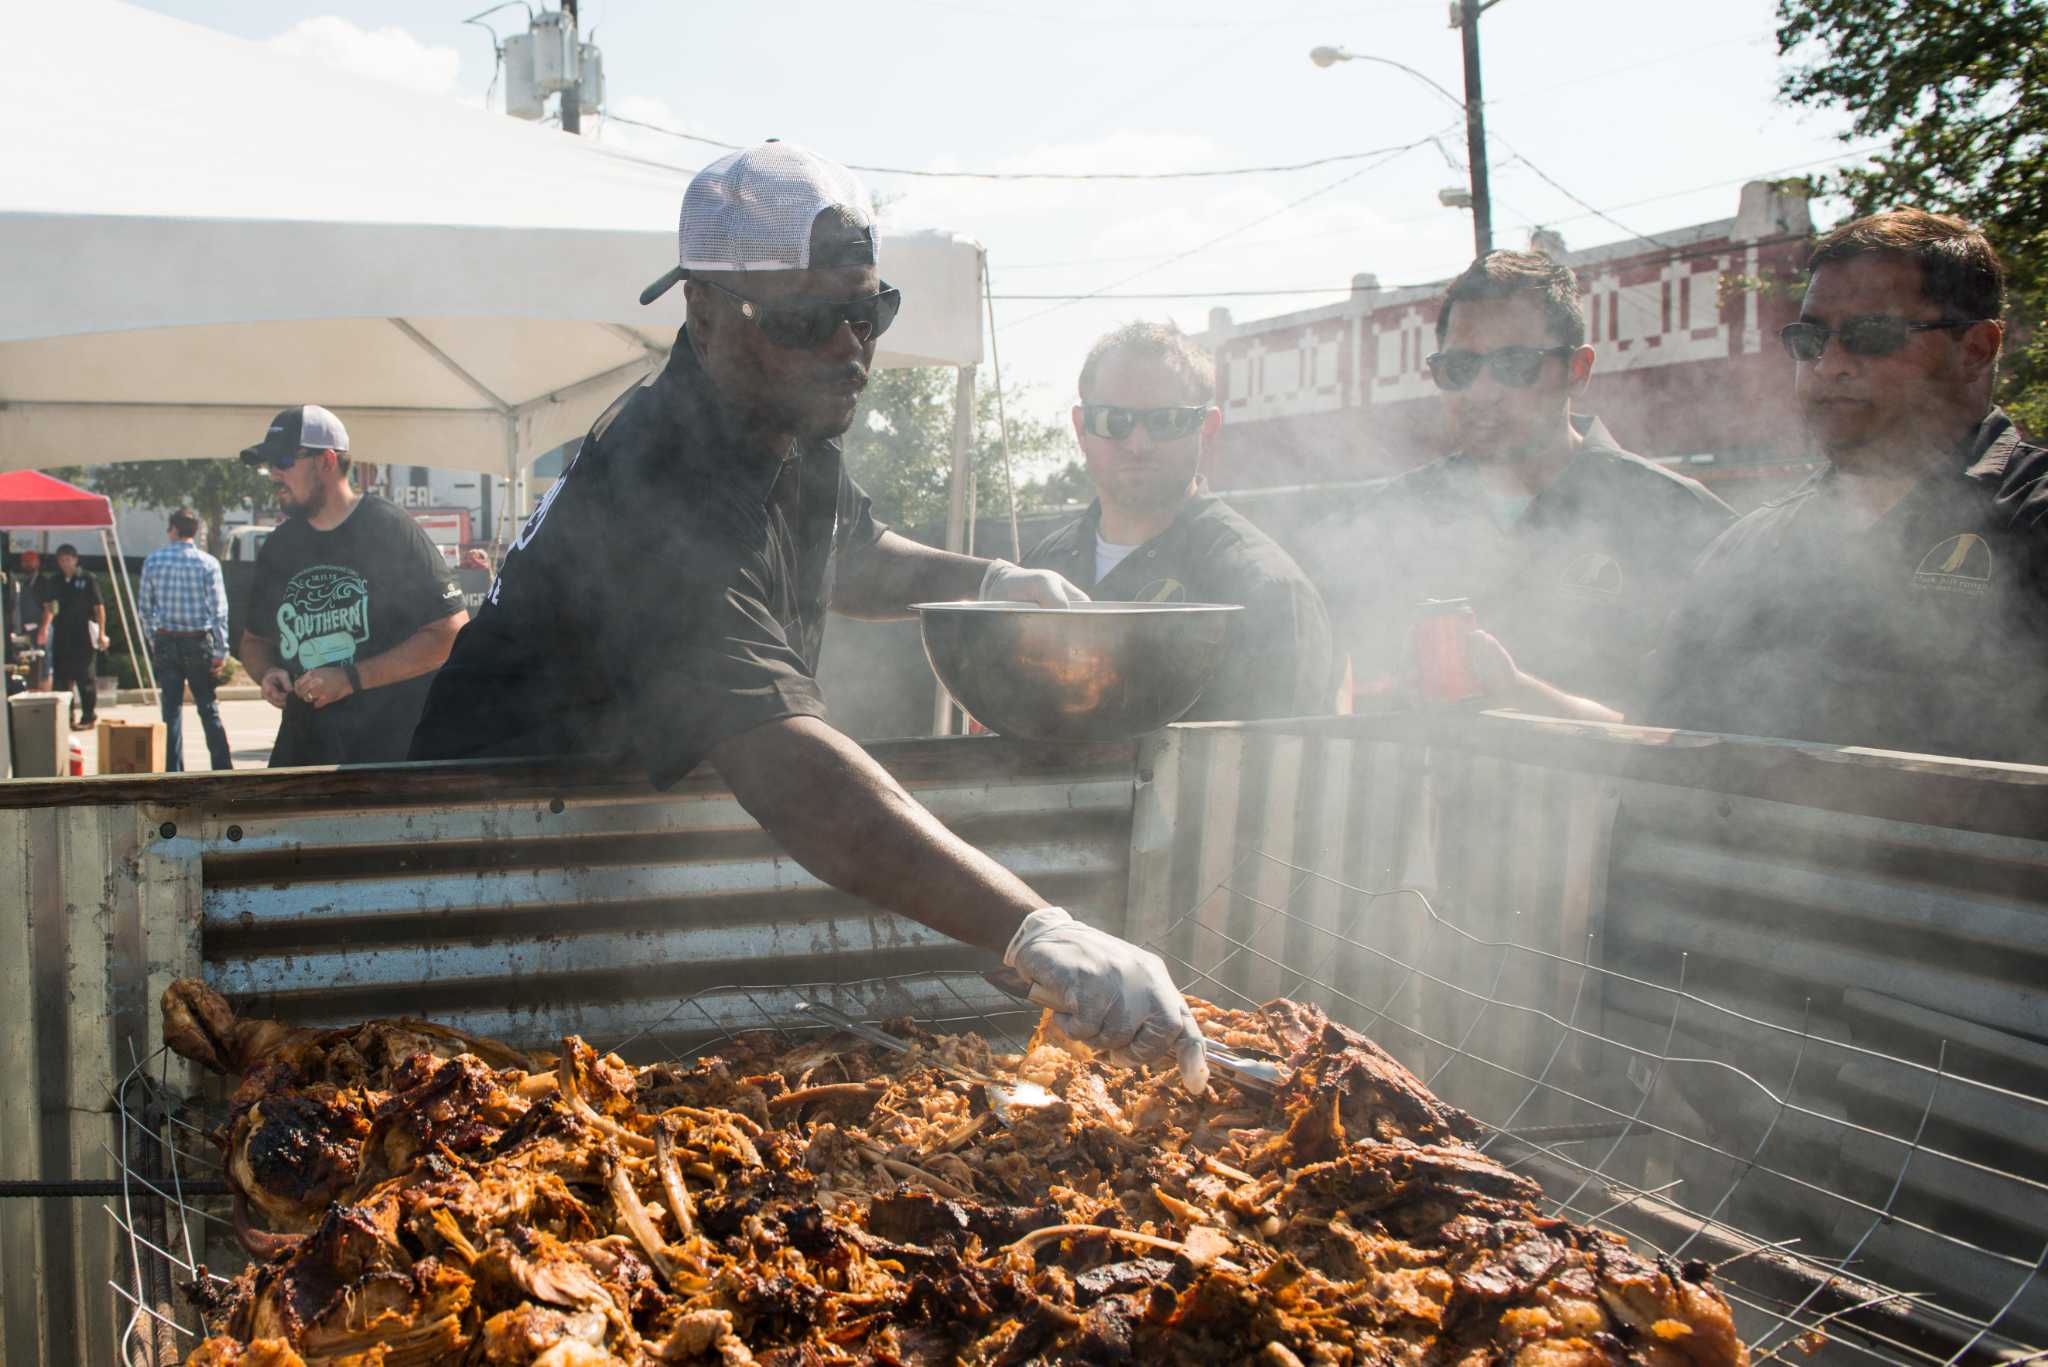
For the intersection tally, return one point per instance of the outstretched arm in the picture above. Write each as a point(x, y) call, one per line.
point(880, 580)
point(850, 823)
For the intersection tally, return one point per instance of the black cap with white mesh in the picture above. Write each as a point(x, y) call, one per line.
point(756, 210)
point(308, 427)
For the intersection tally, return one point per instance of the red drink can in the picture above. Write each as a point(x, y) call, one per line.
point(1441, 642)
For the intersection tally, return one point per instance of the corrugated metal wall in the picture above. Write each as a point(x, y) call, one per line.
point(1816, 980)
point(98, 913)
point(500, 900)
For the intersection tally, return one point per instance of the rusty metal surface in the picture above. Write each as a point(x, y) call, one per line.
point(97, 915)
point(526, 923)
point(520, 901)
point(1818, 979)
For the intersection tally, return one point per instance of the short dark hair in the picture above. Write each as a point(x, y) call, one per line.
point(185, 522)
point(1959, 269)
point(1505, 275)
point(1163, 342)
point(67, 549)
point(341, 458)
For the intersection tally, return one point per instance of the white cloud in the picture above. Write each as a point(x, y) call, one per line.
point(388, 54)
point(648, 142)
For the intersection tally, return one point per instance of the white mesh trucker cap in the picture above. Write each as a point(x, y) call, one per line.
point(753, 211)
point(309, 427)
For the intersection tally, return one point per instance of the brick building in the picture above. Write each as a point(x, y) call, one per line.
point(1689, 370)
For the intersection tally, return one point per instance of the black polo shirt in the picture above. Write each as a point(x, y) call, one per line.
point(76, 598)
point(1576, 584)
point(1276, 660)
point(668, 593)
point(1925, 631)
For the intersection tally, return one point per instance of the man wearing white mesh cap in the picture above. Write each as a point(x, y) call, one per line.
point(693, 548)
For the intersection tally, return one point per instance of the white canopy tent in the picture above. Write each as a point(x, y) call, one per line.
point(196, 231)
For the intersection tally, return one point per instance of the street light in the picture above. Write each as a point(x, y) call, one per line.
point(1475, 124)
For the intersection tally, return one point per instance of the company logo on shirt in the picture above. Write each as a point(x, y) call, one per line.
point(1162, 591)
point(1961, 564)
point(324, 616)
point(1595, 573)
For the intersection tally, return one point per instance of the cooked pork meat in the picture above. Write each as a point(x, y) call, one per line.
point(428, 1198)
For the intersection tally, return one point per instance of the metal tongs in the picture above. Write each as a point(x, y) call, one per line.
point(1004, 1098)
point(1254, 1074)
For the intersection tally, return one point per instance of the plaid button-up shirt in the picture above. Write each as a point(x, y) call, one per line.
point(182, 590)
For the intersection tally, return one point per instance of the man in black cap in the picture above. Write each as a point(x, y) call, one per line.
point(693, 548)
point(75, 629)
point(352, 608)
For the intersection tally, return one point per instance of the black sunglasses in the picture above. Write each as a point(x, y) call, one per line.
point(1869, 334)
point(1161, 424)
point(807, 324)
point(1514, 366)
point(284, 460)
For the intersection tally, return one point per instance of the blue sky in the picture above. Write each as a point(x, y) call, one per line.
point(1650, 110)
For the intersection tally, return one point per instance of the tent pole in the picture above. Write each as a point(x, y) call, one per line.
point(956, 515)
point(124, 598)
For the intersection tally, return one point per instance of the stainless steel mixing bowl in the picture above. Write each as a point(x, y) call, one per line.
point(1092, 672)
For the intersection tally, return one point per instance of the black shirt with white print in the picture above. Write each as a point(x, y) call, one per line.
point(341, 596)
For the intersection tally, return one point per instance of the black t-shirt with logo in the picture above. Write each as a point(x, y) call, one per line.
point(1925, 631)
point(340, 596)
point(669, 592)
point(1576, 584)
point(76, 597)
point(1276, 659)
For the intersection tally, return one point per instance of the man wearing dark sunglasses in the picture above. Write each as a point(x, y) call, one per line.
point(1146, 421)
point(1899, 599)
point(1570, 549)
point(692, 550)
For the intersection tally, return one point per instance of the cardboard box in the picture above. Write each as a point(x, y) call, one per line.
point(128, 747)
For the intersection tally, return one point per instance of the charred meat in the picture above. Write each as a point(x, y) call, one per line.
point(426, 1197)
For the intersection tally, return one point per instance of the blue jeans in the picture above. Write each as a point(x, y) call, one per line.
point(182, 660)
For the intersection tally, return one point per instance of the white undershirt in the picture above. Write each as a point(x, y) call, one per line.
point(1108, 555)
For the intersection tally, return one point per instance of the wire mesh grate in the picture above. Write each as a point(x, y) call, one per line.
point(1903, 1233)
point(1908, 1233)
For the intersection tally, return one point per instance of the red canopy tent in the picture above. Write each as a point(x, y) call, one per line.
point(31, 501)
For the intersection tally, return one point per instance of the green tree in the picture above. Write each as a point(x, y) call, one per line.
point(211, 488)
point(900, 448)
point(1956, 88)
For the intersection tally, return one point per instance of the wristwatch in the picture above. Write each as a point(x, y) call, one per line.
point(355, 680)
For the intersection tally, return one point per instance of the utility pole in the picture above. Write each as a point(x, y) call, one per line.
point(1466, 17)
point(572, 105)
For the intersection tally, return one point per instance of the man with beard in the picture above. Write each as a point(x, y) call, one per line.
point(1899, 599)
point(1146, 422)
point(1570, 550)
point(352, 608)
point(692, 550)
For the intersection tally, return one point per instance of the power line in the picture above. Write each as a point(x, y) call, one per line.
point(1310, 165)
point(1288, 207)
point(1289, 240)
point(1677, 253)
point(1098, 21)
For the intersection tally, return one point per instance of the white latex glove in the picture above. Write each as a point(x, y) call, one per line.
point(1109, 993)
point(1010, 583)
